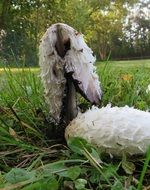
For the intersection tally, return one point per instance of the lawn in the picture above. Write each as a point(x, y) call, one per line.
point(30, 160)
point(131, 63)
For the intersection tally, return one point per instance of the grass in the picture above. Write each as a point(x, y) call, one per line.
point(131, 63)
point(30, 160)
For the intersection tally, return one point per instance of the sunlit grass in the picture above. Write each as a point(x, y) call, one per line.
point(129, 63)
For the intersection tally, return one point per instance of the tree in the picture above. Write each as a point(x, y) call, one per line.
point(4, 9)
point(26, 22)
point(106, 25)
point(137, 30)
point(23, 22)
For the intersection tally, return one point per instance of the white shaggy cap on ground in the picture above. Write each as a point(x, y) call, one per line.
point(113, 130)
point(78, 60)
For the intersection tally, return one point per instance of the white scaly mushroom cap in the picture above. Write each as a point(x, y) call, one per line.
point(78, 60)
point(114, 130)
point(49, 62)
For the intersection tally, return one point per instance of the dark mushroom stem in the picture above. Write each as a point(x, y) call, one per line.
point(69, 109)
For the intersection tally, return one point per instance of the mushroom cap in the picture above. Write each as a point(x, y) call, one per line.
point(77, 59)
point(113, 130)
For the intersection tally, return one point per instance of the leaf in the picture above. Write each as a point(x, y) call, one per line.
point(94, 176)
point(51, 184)
point(81, 146)
point(17, 175)
point(128, 167)
point(95, 154)
point(72, 172)
point(77, 145)
point(110, 170)
point(80, 184)
point(44, 184)
point(117, 186)
point(53, 168)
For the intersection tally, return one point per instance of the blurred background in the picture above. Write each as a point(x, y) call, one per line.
point(114, 29)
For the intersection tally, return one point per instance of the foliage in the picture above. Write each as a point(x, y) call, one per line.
point(137, 29)
point(25, 22)
point(29, 160)
point(109, 27)
point(106, 26)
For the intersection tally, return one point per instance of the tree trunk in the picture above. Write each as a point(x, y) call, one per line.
point(103, 52)
point(5, 6)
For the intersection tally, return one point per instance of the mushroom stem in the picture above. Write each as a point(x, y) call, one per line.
point(70, 109)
